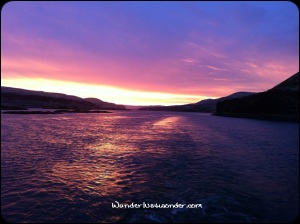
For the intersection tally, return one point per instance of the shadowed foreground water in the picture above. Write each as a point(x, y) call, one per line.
point(72, 167)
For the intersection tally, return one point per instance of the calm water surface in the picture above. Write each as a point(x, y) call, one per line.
point(72, 167)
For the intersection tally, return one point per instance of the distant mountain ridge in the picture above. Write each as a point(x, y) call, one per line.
point(278, 103)
point(205, 106)
point(291, 83)
point(14, 98)
point(105, 105)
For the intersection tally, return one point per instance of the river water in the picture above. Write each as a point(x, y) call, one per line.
point(73, 167)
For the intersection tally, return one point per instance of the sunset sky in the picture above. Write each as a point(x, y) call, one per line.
point(148, 53)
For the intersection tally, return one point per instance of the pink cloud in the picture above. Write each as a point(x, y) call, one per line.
point(117, 45)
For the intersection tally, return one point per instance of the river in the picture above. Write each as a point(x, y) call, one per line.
point(74, 167)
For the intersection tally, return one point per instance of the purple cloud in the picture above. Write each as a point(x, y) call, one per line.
point(205, 48)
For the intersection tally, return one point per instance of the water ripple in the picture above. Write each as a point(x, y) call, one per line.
point(70, 168)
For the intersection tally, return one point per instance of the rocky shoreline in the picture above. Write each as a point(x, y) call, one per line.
point(55, 112)
point(268, 117)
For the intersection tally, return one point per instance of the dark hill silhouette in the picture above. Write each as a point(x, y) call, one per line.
point(15, 98)
point(279, 103)
point(105, 105)
point(205, 106)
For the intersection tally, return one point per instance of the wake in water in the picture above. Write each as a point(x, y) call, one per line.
point(73, 167)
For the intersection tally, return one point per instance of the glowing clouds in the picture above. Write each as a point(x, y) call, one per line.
point(187, 52)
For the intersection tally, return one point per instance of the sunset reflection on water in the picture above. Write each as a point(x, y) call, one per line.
point(167, 122)
point(70, 168)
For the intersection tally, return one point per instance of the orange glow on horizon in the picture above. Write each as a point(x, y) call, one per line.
point(93, 50)
point(103, 92)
